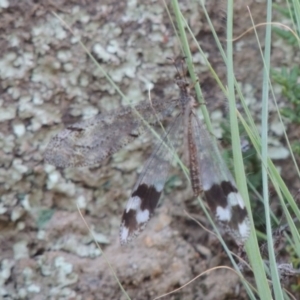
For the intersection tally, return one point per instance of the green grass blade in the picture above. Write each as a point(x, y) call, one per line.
point(251, 246)
point(264, 155)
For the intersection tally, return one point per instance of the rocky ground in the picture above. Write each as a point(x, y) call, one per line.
point(48, 81)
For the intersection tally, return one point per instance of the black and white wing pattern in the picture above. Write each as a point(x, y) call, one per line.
point(218, 185)
point(150, 184)
point(89, 142)
point(208, 173)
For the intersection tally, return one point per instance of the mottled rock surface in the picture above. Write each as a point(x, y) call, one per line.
point(47, 81)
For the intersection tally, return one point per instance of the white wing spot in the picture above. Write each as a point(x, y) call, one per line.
point(159, 186)
point(207, 184)
point(223, 214)
point(235, 198)
point(244, 228)
point(133, 203)
point(142, 216)
point(124, 234)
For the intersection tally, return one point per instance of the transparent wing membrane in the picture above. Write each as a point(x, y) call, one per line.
point(150, 184)
point(89, 142)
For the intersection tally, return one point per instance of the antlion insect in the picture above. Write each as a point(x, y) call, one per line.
point(90, 142)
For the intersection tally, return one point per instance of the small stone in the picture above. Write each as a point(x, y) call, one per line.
point(100, 238)
point(277, 128)
point(62, 264)
point(3, 209)
point(163, 221)
point(68, 67)
point(41, 234)
point(279, 152)
point(89, 111)
point(4, 3)
point(101, 53)
point(85, 19)
point(7, 113)
point(17, 213)
point(20, 226)
point(19, 129)
point(18, 166)
point(37, 99)
point(64, 56)
point(5, 272)
point(22, 293)
point(216, 115)
point(204, 251)
point(84, 80)
point(33, 288)
point(20, 250)
point(81, 202)
point(25, 203)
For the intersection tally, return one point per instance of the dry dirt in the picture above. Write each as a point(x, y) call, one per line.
point(47, 81)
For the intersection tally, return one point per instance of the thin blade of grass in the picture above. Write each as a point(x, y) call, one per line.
point(252, 248)
point(181, 27)
point(264, 155)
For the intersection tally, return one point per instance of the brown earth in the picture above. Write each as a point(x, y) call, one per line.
point(47, 80)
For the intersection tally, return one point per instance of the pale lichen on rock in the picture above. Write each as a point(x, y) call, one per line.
point(47, 82)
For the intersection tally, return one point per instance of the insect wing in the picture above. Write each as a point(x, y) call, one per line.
point(219, 186)
point(89, 142)
point(150, 184)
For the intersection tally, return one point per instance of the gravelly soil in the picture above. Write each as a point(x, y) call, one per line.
point(47, 80)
